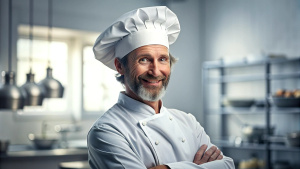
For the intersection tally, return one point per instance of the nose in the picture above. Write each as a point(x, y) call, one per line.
point(154, 69)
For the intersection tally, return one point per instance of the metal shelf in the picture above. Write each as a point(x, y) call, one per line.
point(277, 147)
point(253, 111)
point(267, 111)
point(245, 78)
point(281, 60)
point(284, 76)
point(227, 144)
point(221, 64)
point(291, 110)
point(254, 146)
point(232, 110)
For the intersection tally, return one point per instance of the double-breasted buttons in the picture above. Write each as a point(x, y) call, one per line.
point(171, 118)
point(183, 140)
point(144, 123)
point(156, 142)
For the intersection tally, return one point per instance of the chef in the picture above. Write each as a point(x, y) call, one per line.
point(138, 132)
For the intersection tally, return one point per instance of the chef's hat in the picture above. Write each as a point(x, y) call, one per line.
point(140, 27)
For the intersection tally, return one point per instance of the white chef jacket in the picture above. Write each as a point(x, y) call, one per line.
point(130, 135)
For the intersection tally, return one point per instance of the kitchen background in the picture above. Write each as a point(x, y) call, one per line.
point(211, 30)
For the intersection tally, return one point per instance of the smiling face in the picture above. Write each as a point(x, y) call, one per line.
point(148, 72)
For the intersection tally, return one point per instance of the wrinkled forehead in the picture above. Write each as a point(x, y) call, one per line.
point(150, 51)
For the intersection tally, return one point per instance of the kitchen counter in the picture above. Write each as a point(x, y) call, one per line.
point(25, 152)
point(26, 156)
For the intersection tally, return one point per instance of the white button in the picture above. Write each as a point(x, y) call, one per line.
point(156, 142)
point(171, 118)
point(183, 140)
point(144, 123)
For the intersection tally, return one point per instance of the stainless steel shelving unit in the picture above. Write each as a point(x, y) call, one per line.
point(268, 110)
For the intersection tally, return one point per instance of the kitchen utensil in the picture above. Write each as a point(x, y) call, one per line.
point(255, 133)
point(281, 165)
point(239, 102)
point(286, 102)
point(42, 142)
point(4, 146)
point(260, 103)
point(64, 129)
point(277, 140)
point(293, 139)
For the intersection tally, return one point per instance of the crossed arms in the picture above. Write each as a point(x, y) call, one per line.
point(111, 150)
point(202, 156)
point(123, 144)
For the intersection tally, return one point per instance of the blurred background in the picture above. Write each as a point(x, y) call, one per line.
point(238, 73)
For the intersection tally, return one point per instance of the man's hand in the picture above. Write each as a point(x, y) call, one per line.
point(213, 153)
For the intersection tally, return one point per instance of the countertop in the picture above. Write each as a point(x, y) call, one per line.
point(77, 147)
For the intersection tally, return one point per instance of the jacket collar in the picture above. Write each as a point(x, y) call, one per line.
point(137, 106)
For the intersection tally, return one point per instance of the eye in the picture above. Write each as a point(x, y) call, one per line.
point(163, 59)
point(143, 60)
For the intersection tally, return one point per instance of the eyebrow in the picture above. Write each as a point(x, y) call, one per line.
point(148, 54)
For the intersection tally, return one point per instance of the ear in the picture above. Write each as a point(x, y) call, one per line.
point(119, 66)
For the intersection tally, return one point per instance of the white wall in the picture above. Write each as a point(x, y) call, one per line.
point(185, 86)
point(238, 28)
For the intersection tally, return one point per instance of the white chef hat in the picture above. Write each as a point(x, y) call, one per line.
point(140, 27)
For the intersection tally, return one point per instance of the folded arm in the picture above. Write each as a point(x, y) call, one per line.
point(201, 157)
point(208, 156)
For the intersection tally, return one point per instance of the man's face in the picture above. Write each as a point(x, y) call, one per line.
point(148, 72)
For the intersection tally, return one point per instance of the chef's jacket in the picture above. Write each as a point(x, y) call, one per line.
point(131, 135)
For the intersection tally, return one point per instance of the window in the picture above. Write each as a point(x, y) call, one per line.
point(90, 86)
point(58, 56)
point(100, 88)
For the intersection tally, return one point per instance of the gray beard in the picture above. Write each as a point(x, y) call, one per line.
point(148, 96)
point(143, 93)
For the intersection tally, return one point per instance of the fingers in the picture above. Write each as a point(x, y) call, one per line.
point(199, 154)
point(220, 157)
point(209, 153)
point(215, 155)
point(212, 154)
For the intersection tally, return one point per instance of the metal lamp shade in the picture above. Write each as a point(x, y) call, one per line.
point(34, 92)
point(11, 96)
point(52, 87)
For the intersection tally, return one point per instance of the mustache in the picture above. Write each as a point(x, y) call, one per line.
point(151, 77)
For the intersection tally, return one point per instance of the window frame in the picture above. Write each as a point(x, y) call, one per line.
point(46, 114)
point(76, 41)
point(88, 114)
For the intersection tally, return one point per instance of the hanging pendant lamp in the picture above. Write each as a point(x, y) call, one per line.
point(52, 87)
point(34, 92)
point(35, 95)
point(11, 96)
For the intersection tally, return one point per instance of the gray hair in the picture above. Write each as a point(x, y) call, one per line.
point(124, 62)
